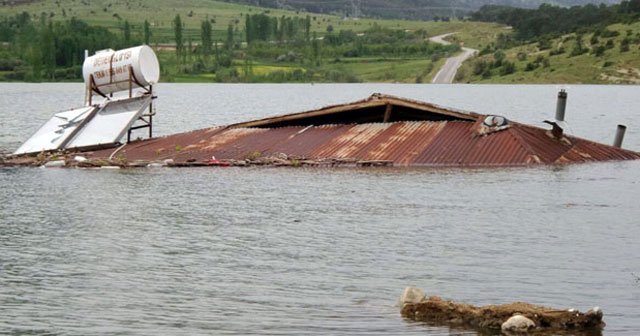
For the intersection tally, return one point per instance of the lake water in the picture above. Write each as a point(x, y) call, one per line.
point(216, 251)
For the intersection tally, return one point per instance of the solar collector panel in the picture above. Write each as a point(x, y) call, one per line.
point(111, 123)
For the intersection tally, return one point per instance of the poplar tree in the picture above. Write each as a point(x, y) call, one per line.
point(315, 45)
point(48, 51)
point(127, 33)
point(307, 28)
point(230, 42)
point(147, 32)
point(189, 52)
point(177, 29)
point(206, 38)
point(248, 29)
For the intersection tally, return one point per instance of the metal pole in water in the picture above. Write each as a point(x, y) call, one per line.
point(562, 105)
point(622, 129)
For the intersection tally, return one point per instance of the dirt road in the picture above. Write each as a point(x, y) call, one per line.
point(450, 68)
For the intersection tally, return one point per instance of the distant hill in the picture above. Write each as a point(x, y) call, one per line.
point(406, 9)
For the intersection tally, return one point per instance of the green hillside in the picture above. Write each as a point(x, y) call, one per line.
point(588, 44)
point(160, 13)
point(610, 56)
point(407, 9)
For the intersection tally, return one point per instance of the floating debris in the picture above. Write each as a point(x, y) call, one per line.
point(55, 164)
point(513, 317)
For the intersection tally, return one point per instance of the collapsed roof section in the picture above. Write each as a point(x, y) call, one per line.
point(375, 109)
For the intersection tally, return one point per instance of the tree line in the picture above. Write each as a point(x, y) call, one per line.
point(261, 27)
point(35, 49)
point(289, 41)
point(553, 20)
point(41, 49)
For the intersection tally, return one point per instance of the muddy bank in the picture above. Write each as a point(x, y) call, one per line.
point(512, 317)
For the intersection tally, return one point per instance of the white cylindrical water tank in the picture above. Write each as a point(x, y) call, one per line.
point(110, 69)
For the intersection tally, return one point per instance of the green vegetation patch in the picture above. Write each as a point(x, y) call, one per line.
point(609, 55)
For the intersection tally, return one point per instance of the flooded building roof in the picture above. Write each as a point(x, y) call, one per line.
point(382, 128)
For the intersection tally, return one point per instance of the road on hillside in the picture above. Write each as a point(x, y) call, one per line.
point(448, 71)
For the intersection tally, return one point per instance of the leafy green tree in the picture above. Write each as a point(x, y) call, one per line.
point(177, 30)
point(507, 68)
point(315, 46)
point(599, 51)
point(205, 35)
point(127, 33)
point(307, 28)
point(48, 51)
point(248, 29)
point(216, 52)
point(230, 39)
point(499, 57)
point(147, 32)
point(624, 44)
point(35, 58)
point(189, 51)
point(578, 48)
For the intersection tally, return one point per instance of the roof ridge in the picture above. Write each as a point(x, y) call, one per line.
point(513, 131)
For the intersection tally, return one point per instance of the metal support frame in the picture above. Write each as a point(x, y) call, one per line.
point(132, 81)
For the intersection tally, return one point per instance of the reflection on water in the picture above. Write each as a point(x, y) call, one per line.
point(307, 251)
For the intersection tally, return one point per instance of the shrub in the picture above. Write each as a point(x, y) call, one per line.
point(479, 67)
point(599, 51)
point(507, 68)
point(609, 33)
point(487, 73)
point(624, 44)
point(522, 56)
point(544, 44)
point(531, 66)
point(609, 44)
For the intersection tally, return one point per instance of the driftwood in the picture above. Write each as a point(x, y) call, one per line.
point(435, 310)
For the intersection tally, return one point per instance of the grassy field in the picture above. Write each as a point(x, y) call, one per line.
point(613, 66)
point(389, 70)
point(160, 13)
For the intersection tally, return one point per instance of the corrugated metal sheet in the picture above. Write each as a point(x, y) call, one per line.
point(403, 142)
point(451, 143)
point(498, 148)
point(349, 145)
point(414, 143)
point(307, 140)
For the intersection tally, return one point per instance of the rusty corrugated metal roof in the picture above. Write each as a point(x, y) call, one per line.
point(455, 140)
